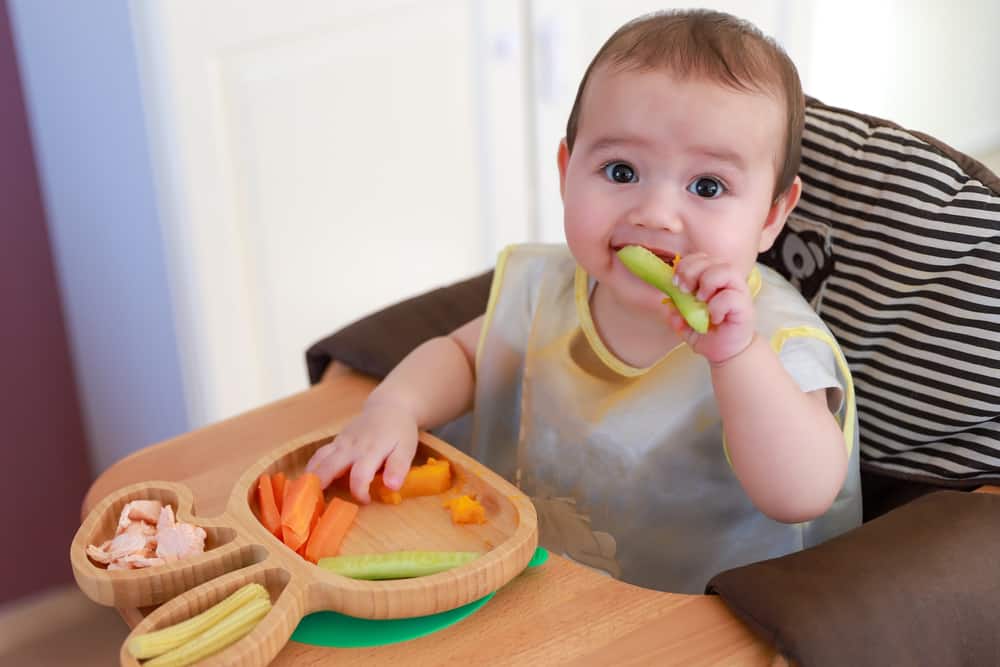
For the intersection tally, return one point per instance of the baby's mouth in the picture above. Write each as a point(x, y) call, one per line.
point(668, 256)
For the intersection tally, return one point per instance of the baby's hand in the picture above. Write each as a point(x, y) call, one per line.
point(379, 434)
point(729, 302)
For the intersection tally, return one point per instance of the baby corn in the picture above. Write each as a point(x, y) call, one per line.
point(217, 637)
point(158, 642)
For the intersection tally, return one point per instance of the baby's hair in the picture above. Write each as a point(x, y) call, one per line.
point(718, 46)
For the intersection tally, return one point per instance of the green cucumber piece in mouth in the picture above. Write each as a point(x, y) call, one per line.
point(645, 265)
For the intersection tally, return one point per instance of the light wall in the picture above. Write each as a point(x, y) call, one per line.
point(929, 66)
point(77, 65)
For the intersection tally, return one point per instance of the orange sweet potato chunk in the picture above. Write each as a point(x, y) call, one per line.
point(428, 479)
point(466, 509)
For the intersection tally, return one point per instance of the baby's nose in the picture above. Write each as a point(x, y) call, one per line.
point(656, 208)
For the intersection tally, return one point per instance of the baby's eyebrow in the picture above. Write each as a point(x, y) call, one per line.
point(715, 153)
point(608, 143)
point(721, 155)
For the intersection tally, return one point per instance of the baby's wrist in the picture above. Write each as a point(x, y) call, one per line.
point(376, 403)
point(722, 363)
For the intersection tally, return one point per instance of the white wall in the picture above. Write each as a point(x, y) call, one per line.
point(927, 65)
point(82, 92)
point(567, 34)
point(930, 66)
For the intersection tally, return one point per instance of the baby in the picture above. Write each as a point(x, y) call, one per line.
point(651, 452)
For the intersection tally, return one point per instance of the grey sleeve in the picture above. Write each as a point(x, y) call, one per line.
point(813, 366)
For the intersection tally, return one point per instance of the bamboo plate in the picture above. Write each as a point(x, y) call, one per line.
point(239, 550)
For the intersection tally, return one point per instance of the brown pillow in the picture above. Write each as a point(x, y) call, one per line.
point(919, 585)
point(375, 344)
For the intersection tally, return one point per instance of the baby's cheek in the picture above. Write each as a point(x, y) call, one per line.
point(582, 243)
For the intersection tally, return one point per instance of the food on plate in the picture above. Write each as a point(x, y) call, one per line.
point(270, 514)
point(158, 642)
point(148, 535)
point(326, 537)
point(302, 504)
point(305, 522)
point(396, 564)
point(221, 630)
point(647, 266)
point(429, 479)
point(177, 539)
point(278, 485)
point(466, 509)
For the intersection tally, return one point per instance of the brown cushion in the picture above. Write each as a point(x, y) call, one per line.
point(880, 493)
point(376, 343)
point(920, 585)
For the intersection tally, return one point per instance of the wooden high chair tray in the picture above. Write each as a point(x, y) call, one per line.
point(239, 550)
point(560, 613)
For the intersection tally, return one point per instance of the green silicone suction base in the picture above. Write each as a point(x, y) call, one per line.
point(328, 628)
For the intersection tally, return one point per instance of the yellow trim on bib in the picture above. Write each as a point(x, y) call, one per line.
point(754, 281)
point(498, 272)
point(778, 341)
point(781, 337)
point(582, 296)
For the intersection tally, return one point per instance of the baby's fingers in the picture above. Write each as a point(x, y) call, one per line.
point(317, 457)
point(398, 464)
point(330, 461)
point(715, 278)
point(362, 474)
point(688, 272)
point(727, 305)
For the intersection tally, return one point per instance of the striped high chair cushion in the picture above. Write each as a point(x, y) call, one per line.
point(896, 242)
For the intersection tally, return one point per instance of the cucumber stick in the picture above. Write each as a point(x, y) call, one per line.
point(654, 271)
point(396, 564)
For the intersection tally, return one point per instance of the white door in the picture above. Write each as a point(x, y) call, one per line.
point(316, 165)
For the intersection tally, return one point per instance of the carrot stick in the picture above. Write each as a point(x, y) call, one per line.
point(304, 493)
point(278, 484)
point(331, 529)
point(317, 513)
point(269, 515)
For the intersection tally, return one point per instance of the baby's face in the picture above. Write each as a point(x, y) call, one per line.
point(676, 165)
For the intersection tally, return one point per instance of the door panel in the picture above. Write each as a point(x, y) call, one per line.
point(316, 167)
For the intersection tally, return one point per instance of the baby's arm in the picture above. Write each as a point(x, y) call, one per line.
point(785, 446)
point(432, 385)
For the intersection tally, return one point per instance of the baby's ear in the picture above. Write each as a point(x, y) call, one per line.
point(562, 158)
point(778, 214)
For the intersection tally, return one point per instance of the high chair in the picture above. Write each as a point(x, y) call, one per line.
point(896, 243)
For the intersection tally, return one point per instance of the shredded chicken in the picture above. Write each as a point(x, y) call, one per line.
point(139, 510)
point(136, 561)
point(177, 539)
point(148, 535)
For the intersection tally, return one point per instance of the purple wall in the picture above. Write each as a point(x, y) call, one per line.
point(43, 450)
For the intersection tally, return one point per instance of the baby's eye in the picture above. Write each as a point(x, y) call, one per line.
point(707, 187)
point(620, 172)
